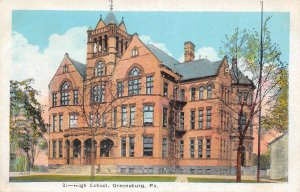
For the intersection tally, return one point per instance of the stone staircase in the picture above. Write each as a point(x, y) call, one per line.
point(83, 169)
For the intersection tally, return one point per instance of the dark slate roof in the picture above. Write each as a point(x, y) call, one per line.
point(198, 68)
point(166, 59)
point(236, 75)
point(81, 68)
point(110, 18)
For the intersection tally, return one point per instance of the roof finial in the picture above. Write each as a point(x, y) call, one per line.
point(111, 5)
point(100, 16)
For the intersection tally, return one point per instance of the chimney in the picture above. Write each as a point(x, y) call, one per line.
point(189, 51)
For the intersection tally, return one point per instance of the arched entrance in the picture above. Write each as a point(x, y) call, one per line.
point(88, 151)
point(106, 148)
point(76, 148)
point(67, 146)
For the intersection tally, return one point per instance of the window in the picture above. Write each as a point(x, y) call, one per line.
point(181, 119)
point(99, 71)
point(60, 154)
point(242, 121)
point(98, 94)
point(192, 148)
point(208, 145)
point(123, 146)
point(132, 116)
point(134, 81)
point(200, 145)
point(193, 94)
point(115, 118)
point(91, 119)
point(75, 97)
point(148, 146)
point(200, 119)
point(60, 122)
point(120, 89)
point(192, 119)
point(103, 120)
point(65, 68)
point(175, 92)
point(182, 95)
point(148, 115)
point(65, 93)
point(208, 118)
point(134, 52)
point(165, 117)
point(131, 146)
point(73, 121)
point(134, 72)
point(54, 99)
point(201, 92)
point(54, 123)
point(164, 147)
point(149, 85)
point(54, 149)
point(165, 93)
point(181, 148)
point(209, 92)
point(123, 117)
point(240, 95)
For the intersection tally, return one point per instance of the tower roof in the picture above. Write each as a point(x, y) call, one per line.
point(110, 18)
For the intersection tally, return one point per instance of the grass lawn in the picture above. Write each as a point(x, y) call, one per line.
point(57, 178)
point(217, 180)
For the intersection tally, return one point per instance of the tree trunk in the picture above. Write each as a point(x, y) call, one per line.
point(28, 161)
point(239, 162)
point(93, 158)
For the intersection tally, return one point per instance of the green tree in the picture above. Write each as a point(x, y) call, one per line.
point(26, 122)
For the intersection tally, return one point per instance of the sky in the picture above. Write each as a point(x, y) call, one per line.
point(40, 38)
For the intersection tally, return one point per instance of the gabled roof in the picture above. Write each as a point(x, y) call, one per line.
point(81, 68)
point(166, 59)
point(238, 77)
point(198, 68)
point(110, 18)
point(277, 138)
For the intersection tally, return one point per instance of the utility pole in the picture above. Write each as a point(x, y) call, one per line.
point(260, 87)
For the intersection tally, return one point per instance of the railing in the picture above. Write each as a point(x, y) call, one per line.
point(178, 98)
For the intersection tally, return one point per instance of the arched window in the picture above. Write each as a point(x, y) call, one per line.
point(100, 70)
point(193, 94)
point(209, 92)
point(65, 93)
point(134, 82)
point(201, 92)
point(182, 94)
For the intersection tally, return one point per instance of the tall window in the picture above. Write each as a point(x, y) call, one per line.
point(192, 148)
point(193, 94)
point(165, 117)
point(123, 146)
point(103, 120)
point(134, 82)
point(201, 92)
point(200, 119)
point(200, 146)
point(148, 146)
point(120, 89)
point(100, 71)
point(148, 115)
point(181, 119)
point(149, 85)
point(54, 99)
point(115, 118)
point(209, 93)
point(73, 121)
point(65, 93)
point(208, 118)
point(75, 97)
point(98, 94)
point(60, 154)
point(131, 146)
point(192, 119)
point(208, 145)
point(182, 95)
point(53, 149)
point(123, 117)
point(132, 116)
point(54, 123)
point(175, 92)
point(181, 148)
point(165, 93)
point(242, 121)
point(164, 147)
point(60, 122)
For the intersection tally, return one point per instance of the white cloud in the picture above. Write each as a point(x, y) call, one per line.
point(204, 52)
point(28, 61)
point(147, 40)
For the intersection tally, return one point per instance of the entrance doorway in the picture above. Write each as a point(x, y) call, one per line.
point(88, 151)
point(106, 148)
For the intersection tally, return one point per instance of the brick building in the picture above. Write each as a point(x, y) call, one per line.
point(145, 111)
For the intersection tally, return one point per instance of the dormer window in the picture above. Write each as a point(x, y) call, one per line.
point(134, 52)
point(100, 70)
point(65, 68)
